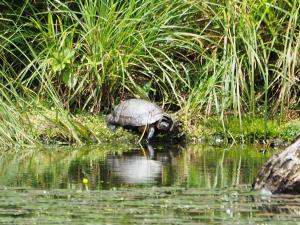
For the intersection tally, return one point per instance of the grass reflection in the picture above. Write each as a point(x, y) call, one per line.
point(49, 168)
point(108, 166)
point(211, 167)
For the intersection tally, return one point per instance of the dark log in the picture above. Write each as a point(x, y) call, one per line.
point(281, 173)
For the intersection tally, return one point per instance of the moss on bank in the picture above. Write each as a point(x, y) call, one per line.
point(50, 127)
point(251, 130)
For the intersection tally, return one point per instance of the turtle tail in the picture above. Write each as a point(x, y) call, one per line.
point(110, 120)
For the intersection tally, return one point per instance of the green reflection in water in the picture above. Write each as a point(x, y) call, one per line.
point(191, 185)
point(50, 168)
point(211, 167)
point(110, 166)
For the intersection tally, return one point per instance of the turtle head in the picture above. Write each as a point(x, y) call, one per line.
point(173, 128)
point(163, 125)
point(166, 123)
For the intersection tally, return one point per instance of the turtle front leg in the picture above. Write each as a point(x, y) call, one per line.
point(151, 132)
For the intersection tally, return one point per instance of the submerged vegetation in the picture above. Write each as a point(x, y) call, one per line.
point(203, 58)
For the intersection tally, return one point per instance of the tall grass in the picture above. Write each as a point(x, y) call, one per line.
point(203, 57)
point(253, 65)
point(109, 49)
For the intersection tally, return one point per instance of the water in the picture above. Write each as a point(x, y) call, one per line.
point(195, 184)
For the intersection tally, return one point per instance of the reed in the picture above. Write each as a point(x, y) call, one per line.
point(236, 57)
point(252, 67)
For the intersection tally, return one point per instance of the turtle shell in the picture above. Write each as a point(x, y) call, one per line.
point(136, 112)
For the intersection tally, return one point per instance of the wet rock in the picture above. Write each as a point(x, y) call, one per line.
point(281, 173)
point(278, 143)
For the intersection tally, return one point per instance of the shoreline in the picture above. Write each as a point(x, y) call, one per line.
point(48, 127)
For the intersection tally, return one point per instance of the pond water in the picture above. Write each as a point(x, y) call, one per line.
point(169, 184)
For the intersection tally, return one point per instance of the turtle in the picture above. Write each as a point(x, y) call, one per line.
point(143, 115)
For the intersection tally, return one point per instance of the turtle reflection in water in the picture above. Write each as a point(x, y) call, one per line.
point(134, 169)
point(141, 115)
